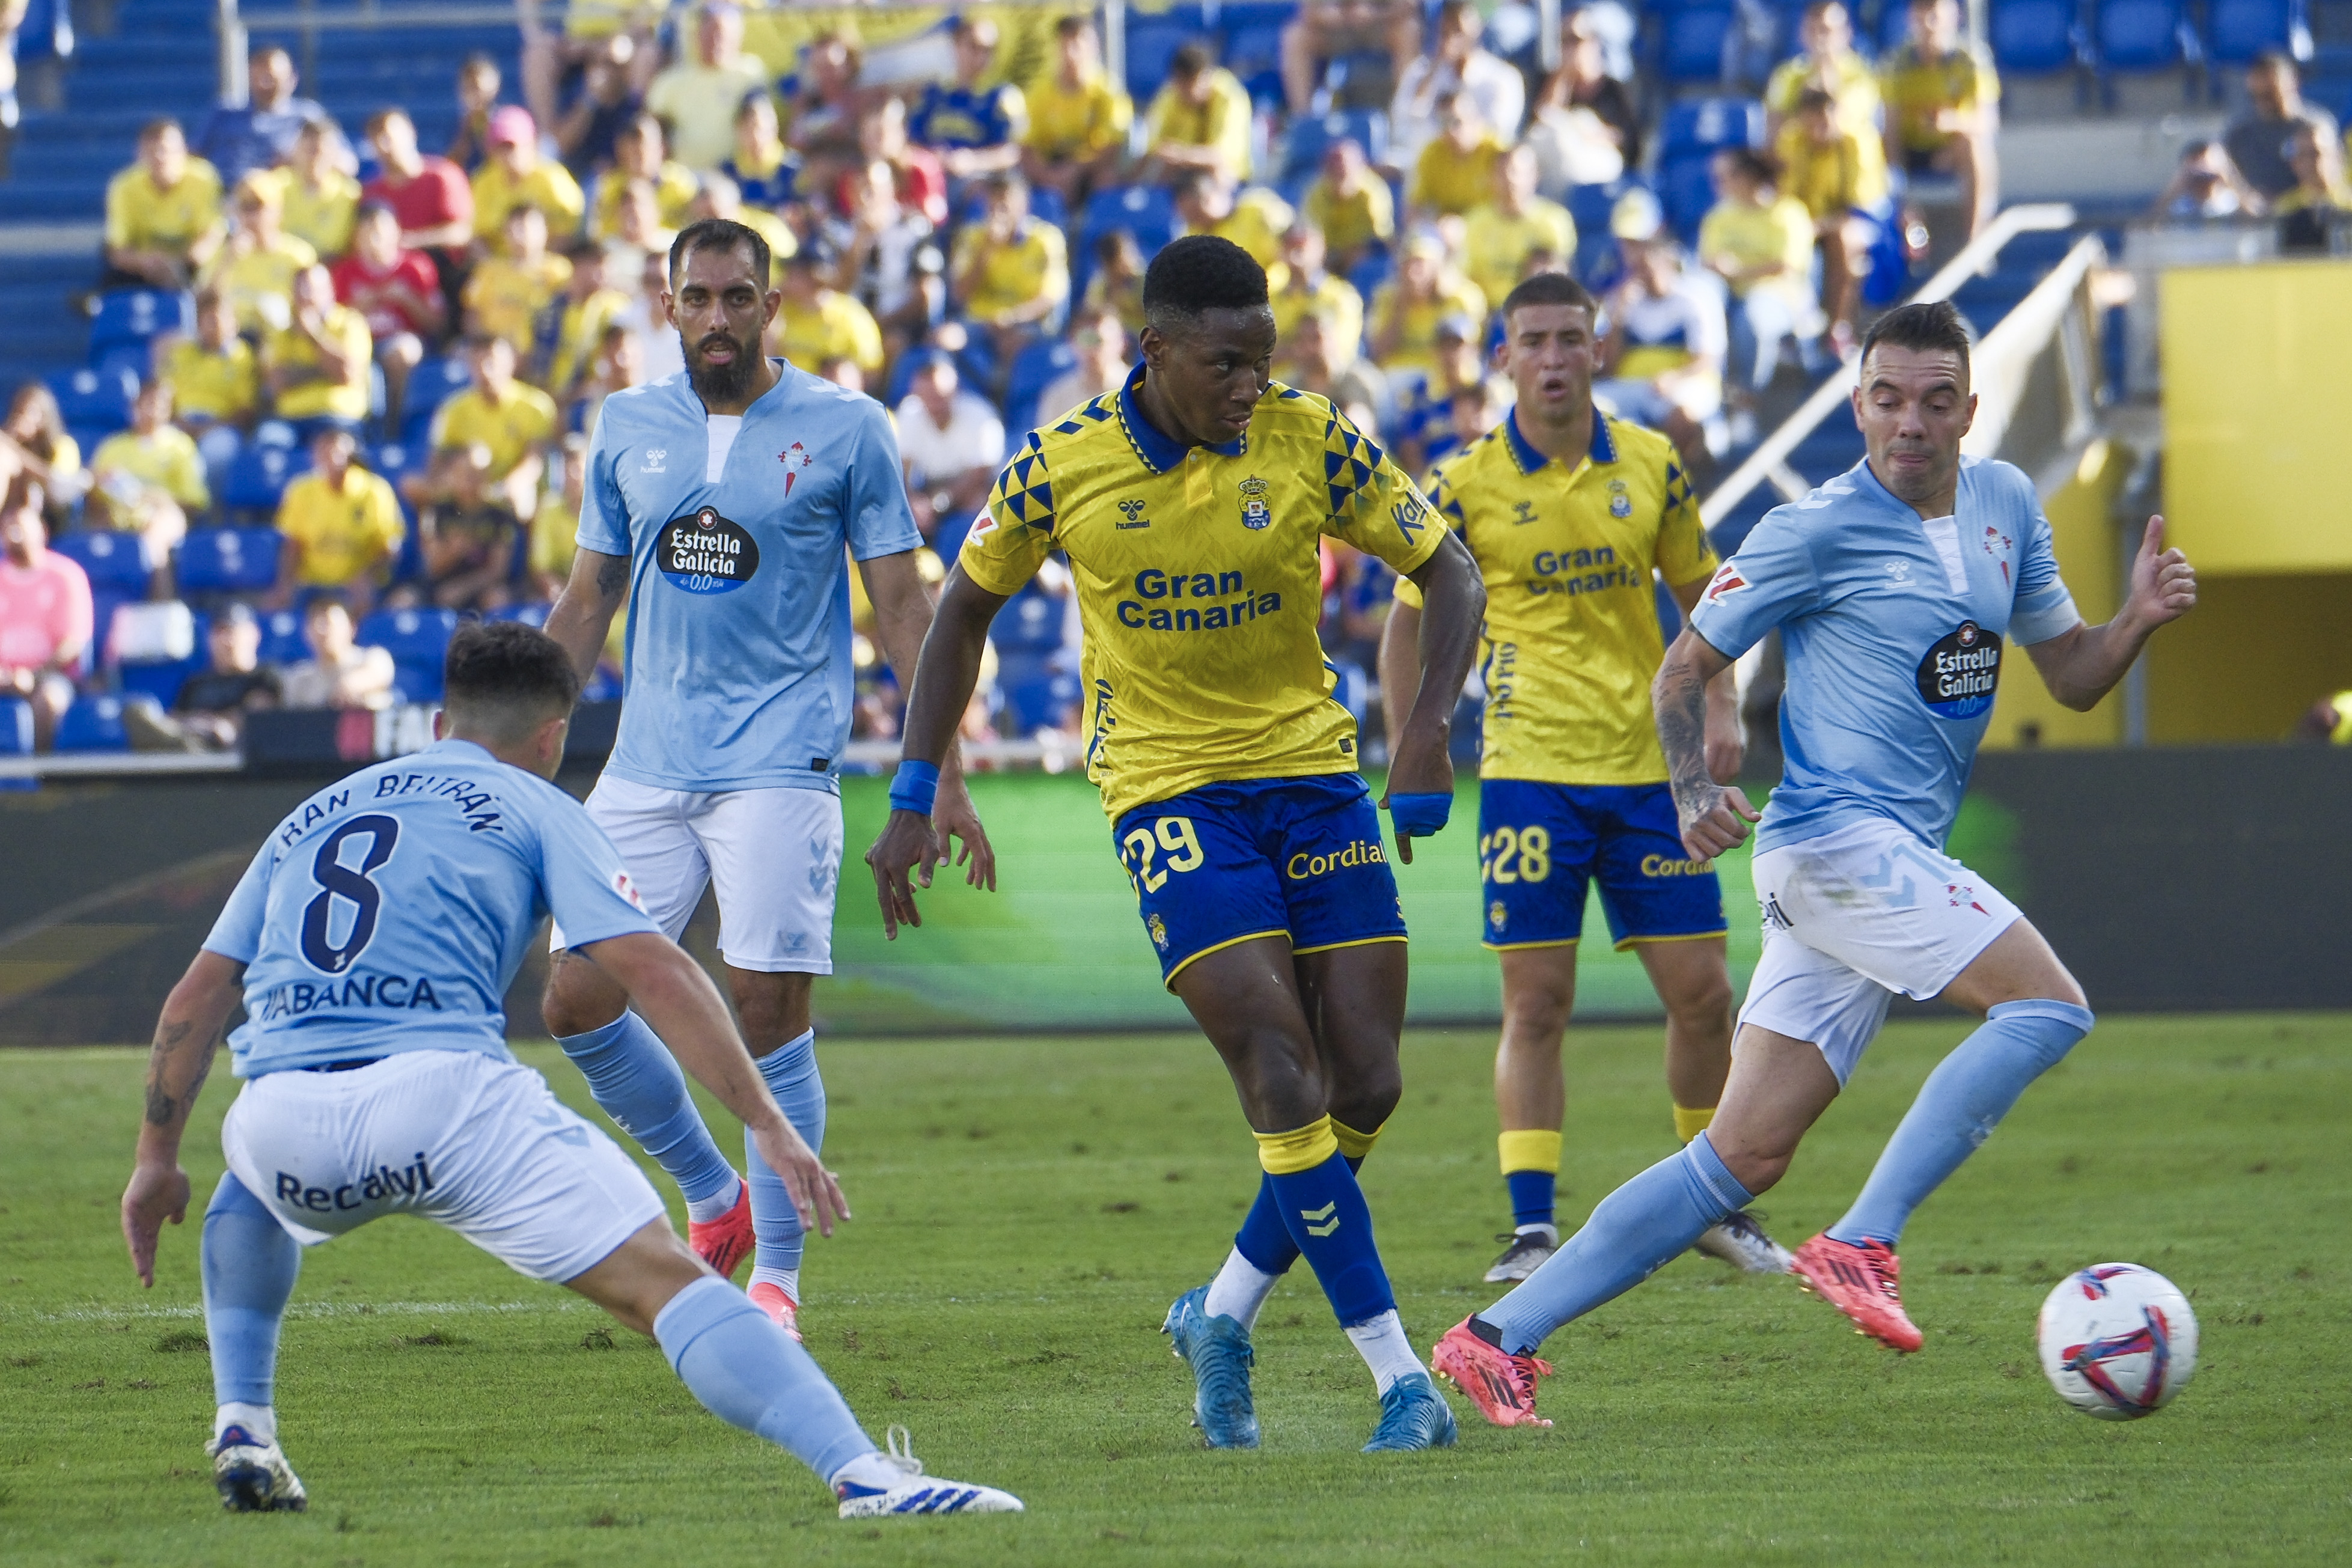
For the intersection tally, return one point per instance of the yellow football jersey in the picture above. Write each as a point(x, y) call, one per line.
point(505, 296)
point(260, 283)
point(579, 330)
point(342, 532)
point(510, 428)
point(1223, 123)
point(674, 194)
point(1200, 582)
point(1035, 266)
point(550, 187)
point(1255, 223)
point(1497, 245)
point(1847, 75)
point(322, 214)
point(206, 385)
point(292, 350)
point(840, 328)
point(1082, 124)
point(1334, 297)
point(1350, 221)
point(167, 460)
point(1453, 182)
point(141, 217)
point(1917, 90)
point(1571, 637)
point(1832, 178)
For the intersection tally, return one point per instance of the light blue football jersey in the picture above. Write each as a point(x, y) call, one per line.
point(739, 674)
point(1893, 631)
point(388, 912)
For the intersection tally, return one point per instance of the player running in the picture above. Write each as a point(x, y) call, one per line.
point(375, 933)
point(718, 505)
point(1894, 586)
point(1567, 512)
point(1192, 503)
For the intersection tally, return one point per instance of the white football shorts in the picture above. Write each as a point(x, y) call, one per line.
point(1851, 918)
point(474, 1143)
point(775, 856)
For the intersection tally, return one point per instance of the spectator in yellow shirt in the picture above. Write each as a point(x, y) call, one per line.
point(1254, 219)
point(1943, 108)
point(500, 415)
point(317, 367)
point(698, 100)
point(1200, 119)
point(163, 214)
point(322, 200)
point(256, 268)
point(1010, 273)
point(147, 479)
point(818, 323)
point(1078, 121)
point(1350, 204)
point(1457, 171)
point(1760, 243)
point(721, 197)
point(1300, 285)
point(640, 152)
point(1117, 282)
point(1407, 309)
point(506, 292)
point(1841, 177)
point(515, 175)
point(214, 383)
point(1498, 237)
point(564, 346)
point(1829, 61)
point(342, 526)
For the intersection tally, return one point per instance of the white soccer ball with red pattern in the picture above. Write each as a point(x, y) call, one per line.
point(2117, 1341)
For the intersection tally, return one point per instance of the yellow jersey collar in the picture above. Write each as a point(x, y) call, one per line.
point(1523, 451)
point(1160, 454)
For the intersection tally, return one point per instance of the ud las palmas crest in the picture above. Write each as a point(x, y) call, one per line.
point(1256, 513)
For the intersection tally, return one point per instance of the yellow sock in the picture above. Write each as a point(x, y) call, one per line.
point(1287, 1154)
point(1689, 1123)
point(1353, 1143)
point(1529, 1149)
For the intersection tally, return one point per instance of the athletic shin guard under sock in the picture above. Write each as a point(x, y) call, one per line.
point(637, 1083)
point(792, 1078)
point(1328, 1220)
point(1649, 1221)
point(1958, 1108)
point(750, 1374)
point(249, 1265)
point(1263, 1241)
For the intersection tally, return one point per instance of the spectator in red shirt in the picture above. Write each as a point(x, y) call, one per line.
point(399, 293)
point(922, 179)
point(45, 610)
point(430, 196)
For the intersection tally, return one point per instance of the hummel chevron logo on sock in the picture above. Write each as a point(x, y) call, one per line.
point(1321, 1221)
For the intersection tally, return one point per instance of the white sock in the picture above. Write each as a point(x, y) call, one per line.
point(259, 1420)
point(1384, 1348)
point(702, 1211)
point(1239, 1289)
point(1551, 1233)
point(785, 1280)
point(871, 1470)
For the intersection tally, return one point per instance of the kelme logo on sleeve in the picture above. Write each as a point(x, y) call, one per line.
point(705, 553)
point(1960, 673)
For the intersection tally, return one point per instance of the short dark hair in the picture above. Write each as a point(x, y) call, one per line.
point(1550, 288)
point(1072, 25)
point(1923, 325)
point(1758, 165)
point(156, 127)
point(504, 677)
point(719, 234)
point(324, 600)
point(1200, 273)
point(1190, 61)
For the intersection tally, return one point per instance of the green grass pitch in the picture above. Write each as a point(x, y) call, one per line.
point(1025, 1210)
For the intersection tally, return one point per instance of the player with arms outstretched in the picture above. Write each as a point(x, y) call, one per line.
point(374, 938)
point(1897, 587)
point(1192, 504)
point(718, 505)
point(1567, 512)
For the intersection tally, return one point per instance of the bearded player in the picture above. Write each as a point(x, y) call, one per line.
point(718, 505)
point(1896, 588)
point(1568, 512)
point(1192, 504)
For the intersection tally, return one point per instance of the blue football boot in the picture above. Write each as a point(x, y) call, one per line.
point(1413, 1414)
point(1218, 1350)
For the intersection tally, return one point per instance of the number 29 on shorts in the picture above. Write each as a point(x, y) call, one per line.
point(1143, 845)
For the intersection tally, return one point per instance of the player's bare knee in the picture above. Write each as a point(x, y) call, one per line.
point(1704, 1004)
point(1369, 1097)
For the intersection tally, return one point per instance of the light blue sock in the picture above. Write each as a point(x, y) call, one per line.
point(1648, 1222)
point(639, 1084)
point(798, 1088)
point(1958, 1108)
point(750, 1374)
point(249, 1266)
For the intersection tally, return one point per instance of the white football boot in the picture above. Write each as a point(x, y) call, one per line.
point(253, 1477)
point(919, 1494)
point(1740, 1240)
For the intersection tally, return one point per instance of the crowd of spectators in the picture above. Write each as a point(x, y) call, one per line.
point(423, 339)
point(2281, 159)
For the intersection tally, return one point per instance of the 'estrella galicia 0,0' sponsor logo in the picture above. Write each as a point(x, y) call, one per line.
point(705, 553)
point(1959, 675)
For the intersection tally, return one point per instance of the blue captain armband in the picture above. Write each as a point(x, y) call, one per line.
point(1419, 816)
point(914, 786)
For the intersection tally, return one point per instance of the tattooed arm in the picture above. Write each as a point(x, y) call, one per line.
point(195, 1016)
point(1714, 816)
point(583, 616)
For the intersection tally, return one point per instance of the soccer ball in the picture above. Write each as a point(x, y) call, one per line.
point(2117, 1341)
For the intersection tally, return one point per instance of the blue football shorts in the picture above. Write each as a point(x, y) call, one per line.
point(1540, 846)
point(1298, 858)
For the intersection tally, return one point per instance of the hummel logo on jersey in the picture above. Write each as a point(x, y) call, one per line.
point(656, 456)
point(1726, 582)
point(1899, 572)
point(1321, 1221)
point(1133, 512)
point(794, 458)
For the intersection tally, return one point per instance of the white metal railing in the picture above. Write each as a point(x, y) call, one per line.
point(2003, 363)
point(1769, 463)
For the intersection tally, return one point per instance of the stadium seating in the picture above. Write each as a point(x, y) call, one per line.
point(2143, 35)
point(1703, 125)
point(1038, 364)
point(93, 724)
point(1690, 41)
point(430, 385)
point(2238, 30)
point(117, 569)
point(1037, 702)
point(417, 640)
point(2034, 37)
point(228, 560)
point(16, 728)
point(162, 678)
point(257, 478)
point(132, 318)
point(1311, 138)
point(1151, 45)
point(281, 638)
point(95, 400)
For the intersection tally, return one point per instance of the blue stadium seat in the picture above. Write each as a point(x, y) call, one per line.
point(528, 614)
point(110, 560)
point(2143, 35)
point(258, 476)
point(1311, 138)
point(2238, 30)
point(162, 678)
point(1253, 54)
point(281, 638)
point(1686, 192)
point(1707, 125)
point(93, 724)
point(1690, 43)
point(430, 385)
point(16, 728)
point(1039, 703)
point(1036, 366)
point(1147, 212)
point(95, 400)
point(228, 560)
point(47, 32)
point(1151, 45)
point(418, 640)
point(134, 360)
point(1031, 622)
point(134, 317)
point(2031, 37)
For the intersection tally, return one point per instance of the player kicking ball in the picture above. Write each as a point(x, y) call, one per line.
point(375, 933)
point(718, 505)
point(1568, 512)
point(1896, 587)
point(1192, 504)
